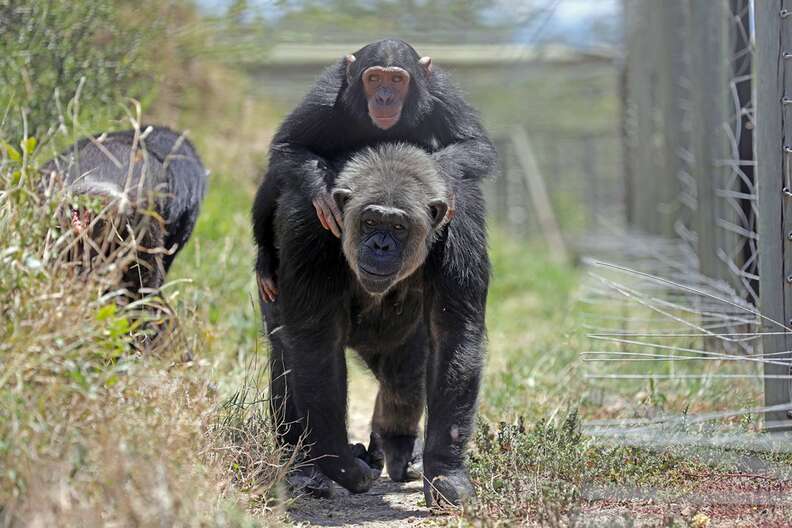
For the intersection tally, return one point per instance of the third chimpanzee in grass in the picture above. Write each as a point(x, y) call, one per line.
point(150, 184)
point(406, 289)
point(384, 92)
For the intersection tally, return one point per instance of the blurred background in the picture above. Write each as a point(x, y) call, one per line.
point(549, 67)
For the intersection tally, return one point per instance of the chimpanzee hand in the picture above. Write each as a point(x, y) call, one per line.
point(373, 456)
point(268, 291)
point(451, 207)
point(352, 473)
point(328, 212)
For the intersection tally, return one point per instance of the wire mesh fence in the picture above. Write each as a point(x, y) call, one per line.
point(705, 130)
point(688, 125)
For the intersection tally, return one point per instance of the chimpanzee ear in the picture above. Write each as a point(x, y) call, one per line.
point(349, 60)
point(437, 211)
point(426, 63)
point(341, 197)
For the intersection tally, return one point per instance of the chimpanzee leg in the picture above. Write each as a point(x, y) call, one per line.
point(400, 403)
point(283, 409)
point(455, 308)
point(306, 477)
point(317, 374)
point(314, 371)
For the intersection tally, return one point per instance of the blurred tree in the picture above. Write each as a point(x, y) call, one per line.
point(49, 45)
point(237, 11)
point(449, 21)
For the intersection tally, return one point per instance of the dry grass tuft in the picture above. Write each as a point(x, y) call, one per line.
point(100, 424)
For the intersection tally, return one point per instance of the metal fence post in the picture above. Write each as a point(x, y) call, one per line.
point(774, 123)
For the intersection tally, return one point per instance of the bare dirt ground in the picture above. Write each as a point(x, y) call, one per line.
point(738, 500)
point(387, 504)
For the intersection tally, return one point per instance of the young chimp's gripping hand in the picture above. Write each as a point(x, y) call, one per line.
point(326, 208)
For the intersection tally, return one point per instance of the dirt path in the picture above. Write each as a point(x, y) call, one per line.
point(387, 504)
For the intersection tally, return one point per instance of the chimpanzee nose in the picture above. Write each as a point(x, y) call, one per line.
point(384, 96)
point(381, 242)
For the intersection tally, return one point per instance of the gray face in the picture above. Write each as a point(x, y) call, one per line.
point(384, 244)
point(383, 240)
point(394, 202)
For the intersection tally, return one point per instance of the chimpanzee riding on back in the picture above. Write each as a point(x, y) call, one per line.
point(383, 92)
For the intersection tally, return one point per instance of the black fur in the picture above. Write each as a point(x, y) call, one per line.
point(423, 340)
point(171, 172)
point(332, 122)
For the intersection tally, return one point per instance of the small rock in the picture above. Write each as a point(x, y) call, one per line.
point(700, 520)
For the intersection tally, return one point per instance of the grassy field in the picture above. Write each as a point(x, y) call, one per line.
point(95, 432)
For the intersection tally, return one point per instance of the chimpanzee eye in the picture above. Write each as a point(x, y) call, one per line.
point(369, 222)
point(397, 78)
point(398, 227)
point(373, 78)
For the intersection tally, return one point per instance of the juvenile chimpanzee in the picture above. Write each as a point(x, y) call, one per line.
point(151, 183)
point(406, 288)
point(383, 92)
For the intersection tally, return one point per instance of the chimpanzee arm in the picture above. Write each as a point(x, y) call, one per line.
point(315, 126)
point(295, 162)
point(458, 269)
point(296, 166)
point(470, 158)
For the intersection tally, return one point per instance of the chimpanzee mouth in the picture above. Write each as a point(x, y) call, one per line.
point(376, 276)
point(385, 122)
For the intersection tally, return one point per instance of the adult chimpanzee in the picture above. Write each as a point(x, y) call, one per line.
point(150, 182)
point(383, 92)
point(406, 288)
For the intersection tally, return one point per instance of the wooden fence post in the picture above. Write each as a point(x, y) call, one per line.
point(540, 199)
point(639, 111)
point(774, 123)
point(670, 78)
point(709, 82)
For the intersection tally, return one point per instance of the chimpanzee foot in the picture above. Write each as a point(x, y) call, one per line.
point(403, 457)
point(373, 456)
point(415, 467)
point(354, 474)
point(448, 488)
point(309, 480)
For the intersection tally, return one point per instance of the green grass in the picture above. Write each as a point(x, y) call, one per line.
point(527, 310)
point(530, 460)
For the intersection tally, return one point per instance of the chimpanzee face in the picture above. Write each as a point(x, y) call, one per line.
point(386, 243)
point(385, 75)
point(394, 202)
point(383, 237)
point(386, 90)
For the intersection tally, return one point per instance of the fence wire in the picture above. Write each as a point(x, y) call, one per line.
point(738, 194)
point(706, 93)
